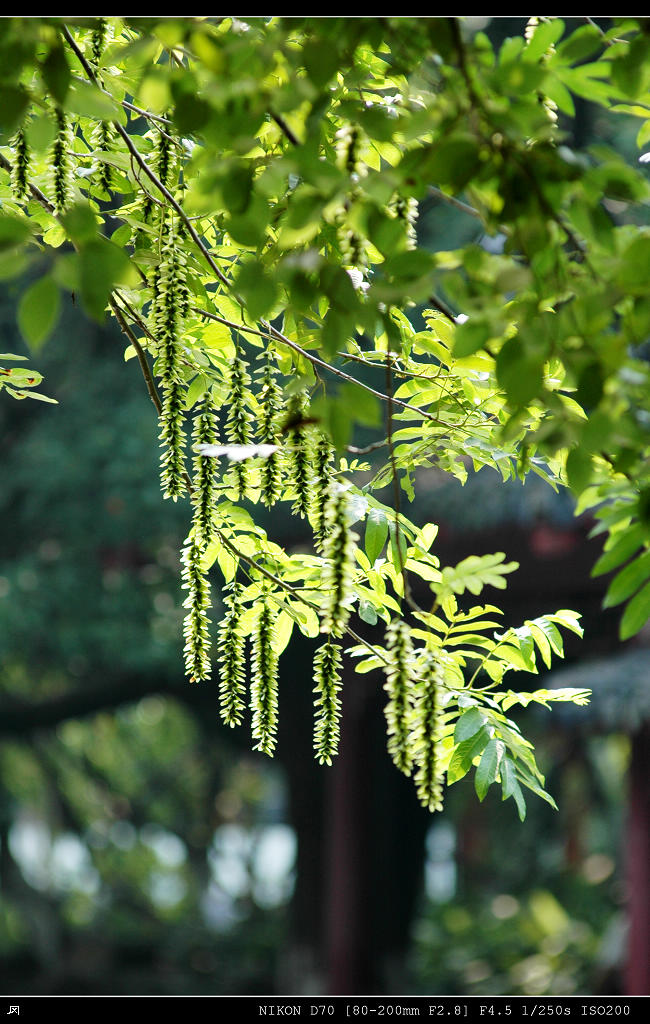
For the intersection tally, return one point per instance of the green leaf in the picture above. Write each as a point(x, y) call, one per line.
point(367, 612)
point(628, 580)
point(282, 632)
point(38, 312)
point(191, 113)
point(13, 231)
point(579, 468)
point(636, 614)
point(464, 754)
point(87, 100)
point(56, 73)
point(488, 767)
point(257, 288)
point(510, 786)
point(519, 372)
point(469, 723)
point(321, 60)
point(397, 554)
point(376, 534)
point(14, 101)
point(544, 37)
point(508, 776)
point(629, 542)
point(80, 223)
point(470, 337)
point(102, 266)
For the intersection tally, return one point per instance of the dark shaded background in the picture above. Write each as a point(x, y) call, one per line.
point(144, 849)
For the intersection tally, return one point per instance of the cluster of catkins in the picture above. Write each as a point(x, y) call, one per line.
point(60, 159)
point(351, 243)
point(301, 472)
point(414, 684)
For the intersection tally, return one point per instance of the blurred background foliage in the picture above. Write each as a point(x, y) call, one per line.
point(144, 850)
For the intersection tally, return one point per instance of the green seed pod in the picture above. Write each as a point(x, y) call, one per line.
point(327, 706)
point(20, 164)
point(203, 495)
point(98, 39)
point(339, 566)
point(102, 139)
point(300, 454)
point(323, 463)
point(196, 627)
point(264, 682)
point(426, 734)
point(163, 162)
point(406, 211)
point(270, 399)
point(238, 423)
point(399, 686)
point(60, 164)
point(348, 148)
point(351, 246)
point(172, 438)
point(232, 662)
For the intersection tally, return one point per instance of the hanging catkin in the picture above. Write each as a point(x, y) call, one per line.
point(270, 399)
point(300, 454)
point(162, 161)
point(196, 628)
point(20, 164)
point(323, 460)
point(406, 211)
point(98, 39)
point(348, 148)
point(232, 662)
point(399, 686)
point(327, 705)
point(425, 737)
point(60, 165)
point(338, 571)
point(101, 139)
point(203, 495)
point(264, 682)
point(238, 423)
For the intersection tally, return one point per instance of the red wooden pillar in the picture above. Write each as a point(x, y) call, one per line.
point(346, 829)
point(637, 967)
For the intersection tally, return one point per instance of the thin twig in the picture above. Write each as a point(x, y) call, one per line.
point(452, 201)
point(139, 351)
point(391, 454)
point(284, 128)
